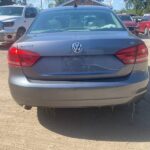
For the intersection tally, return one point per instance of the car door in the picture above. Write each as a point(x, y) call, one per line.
point(144, 24)
point(30, 14)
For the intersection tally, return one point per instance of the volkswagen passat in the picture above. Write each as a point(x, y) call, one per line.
point(78, 57)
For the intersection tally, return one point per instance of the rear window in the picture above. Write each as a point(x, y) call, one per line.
point(75, 21)
point(11, 11)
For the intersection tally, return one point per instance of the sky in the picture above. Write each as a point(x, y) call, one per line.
point(117, 4)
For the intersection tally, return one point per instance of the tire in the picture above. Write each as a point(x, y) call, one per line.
point(20, 33)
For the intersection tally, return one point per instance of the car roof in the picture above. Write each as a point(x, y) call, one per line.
point(146, 15)
point(85, 7)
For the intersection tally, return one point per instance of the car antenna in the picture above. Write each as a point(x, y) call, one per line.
point(75, 3)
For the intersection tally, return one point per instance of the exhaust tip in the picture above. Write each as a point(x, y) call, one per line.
point(27, 107)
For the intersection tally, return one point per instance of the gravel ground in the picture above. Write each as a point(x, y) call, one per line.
point(71, 129)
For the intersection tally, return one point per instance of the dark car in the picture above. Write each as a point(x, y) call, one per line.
point(78, 57)
point(128, 22)
point(137, 18)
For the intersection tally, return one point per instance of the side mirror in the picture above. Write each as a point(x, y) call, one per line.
point(30, 15)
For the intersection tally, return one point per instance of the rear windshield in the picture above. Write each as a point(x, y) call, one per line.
point(125, 18)
point(11, 11)
point(76, 20)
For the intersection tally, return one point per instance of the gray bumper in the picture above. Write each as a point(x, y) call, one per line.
point(7, 37)
point(78, 94)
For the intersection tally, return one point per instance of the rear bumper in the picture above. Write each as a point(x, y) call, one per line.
point(78, 94)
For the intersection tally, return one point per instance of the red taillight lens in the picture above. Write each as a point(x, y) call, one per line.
point(13, 57)
point(132, 55)
point(142, 53)
point(22, 58)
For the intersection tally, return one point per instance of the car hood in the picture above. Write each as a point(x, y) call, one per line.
point(4, 18)
point(129, 23)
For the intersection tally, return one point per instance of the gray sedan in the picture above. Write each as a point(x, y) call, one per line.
point(78, 57)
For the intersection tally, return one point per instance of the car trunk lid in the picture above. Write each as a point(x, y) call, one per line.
point(95, 59)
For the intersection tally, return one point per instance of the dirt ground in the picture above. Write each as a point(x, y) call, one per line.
point(71, 129)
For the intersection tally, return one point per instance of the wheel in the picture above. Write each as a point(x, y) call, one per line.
point(20, 33)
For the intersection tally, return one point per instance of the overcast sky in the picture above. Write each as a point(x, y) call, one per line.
point(118, 4)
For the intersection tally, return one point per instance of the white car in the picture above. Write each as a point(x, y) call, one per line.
point(14, 21)
point(146, 15)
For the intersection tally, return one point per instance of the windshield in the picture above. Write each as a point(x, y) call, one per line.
point(125, 18)
point(11, 11)
point(146, 18)
point(76, 20)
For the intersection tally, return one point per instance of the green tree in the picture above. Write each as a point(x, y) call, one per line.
point(139, 6)
point(147, 7)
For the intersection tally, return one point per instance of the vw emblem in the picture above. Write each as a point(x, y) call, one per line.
point(77, 47)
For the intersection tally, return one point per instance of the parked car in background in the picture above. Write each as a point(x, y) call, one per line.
point(78, 57)
point(146, 15)
point(128, 22)
point(14, 21)
point(144, 25)
point(137, 18)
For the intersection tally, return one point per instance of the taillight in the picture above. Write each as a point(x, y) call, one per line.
point(142, 53)
point(132, 55)
point(22, 58)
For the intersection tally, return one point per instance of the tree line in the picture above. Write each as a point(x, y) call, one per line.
point(138, 7)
